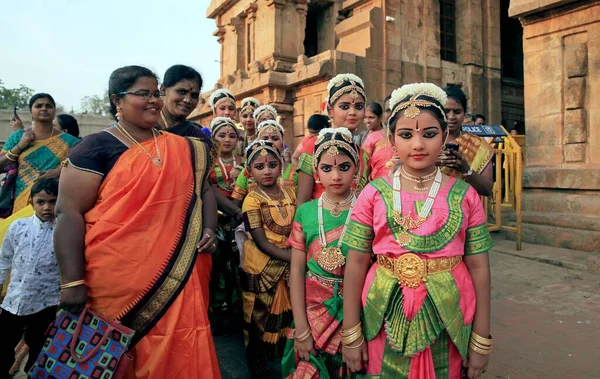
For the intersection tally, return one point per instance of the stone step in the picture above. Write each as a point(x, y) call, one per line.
point(576, 239)
point(564, 201)
point(562, 220)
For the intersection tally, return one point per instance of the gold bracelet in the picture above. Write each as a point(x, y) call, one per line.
point(478, 350)
point(350, 339)
point(75, 283)
point(481, 340)
point(352, 330)
point(357, 346)
point(480, 345)
point(12, 156)
point(304, 336)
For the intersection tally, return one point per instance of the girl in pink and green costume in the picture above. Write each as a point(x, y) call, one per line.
point(425, 302)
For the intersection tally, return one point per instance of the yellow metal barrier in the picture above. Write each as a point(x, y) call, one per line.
point(508, 185)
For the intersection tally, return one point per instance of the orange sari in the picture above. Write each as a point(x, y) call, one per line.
point(141, 261)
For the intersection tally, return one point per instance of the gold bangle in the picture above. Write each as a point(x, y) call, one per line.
point(478, 350)
point(480, 345)
point(480, 339)
point(75, 283)
point(12, 156)
point(362, 341)
point(352, 330)
point(304, 336)
point(347, 340)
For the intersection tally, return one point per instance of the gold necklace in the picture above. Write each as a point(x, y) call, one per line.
point(419, 180)
point(336, 211)
point(407, 223)
point(331, 257)
point(164, 118)
point(281, 204)
point(156, 160)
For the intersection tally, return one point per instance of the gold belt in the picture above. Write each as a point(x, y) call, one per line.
point(329, 282)
point(411, 269)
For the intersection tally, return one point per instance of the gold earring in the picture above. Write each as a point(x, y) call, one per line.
point(118, 115)
point(395, 158)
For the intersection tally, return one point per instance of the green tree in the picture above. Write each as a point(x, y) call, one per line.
point(9, 97)
point(95, 105)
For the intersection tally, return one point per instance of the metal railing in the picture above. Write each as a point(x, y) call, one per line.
point(508, 185)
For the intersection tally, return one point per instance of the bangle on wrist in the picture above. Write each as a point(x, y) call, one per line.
point(72, 284)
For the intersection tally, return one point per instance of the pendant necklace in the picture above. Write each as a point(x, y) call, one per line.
point(336, 211)
point(407, 223)
point(280, 203)
point(156, 160)
point(332, 257)
point(419, 180)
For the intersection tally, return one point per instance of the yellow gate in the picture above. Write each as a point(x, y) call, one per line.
point(508, 184)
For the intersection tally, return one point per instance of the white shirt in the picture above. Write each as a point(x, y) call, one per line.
point(34, 280)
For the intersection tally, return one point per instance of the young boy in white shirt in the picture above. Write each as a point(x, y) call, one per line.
point(33, 293)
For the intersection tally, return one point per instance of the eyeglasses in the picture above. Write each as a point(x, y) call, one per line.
point(144, 94)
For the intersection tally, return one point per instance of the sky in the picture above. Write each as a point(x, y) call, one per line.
point(68, 48)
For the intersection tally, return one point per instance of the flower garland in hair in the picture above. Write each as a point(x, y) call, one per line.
point(345, 83)
point(332, 145)
point(219, 95)
point(341, 78)
point(270, 126)
point(411, 106)
point(427, 89)
point(261, 148)
point(220, 122)
point(249, 103)
point(262, 109)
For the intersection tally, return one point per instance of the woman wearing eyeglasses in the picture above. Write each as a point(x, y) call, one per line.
point(129, 219)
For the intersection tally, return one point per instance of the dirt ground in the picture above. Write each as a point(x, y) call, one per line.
point(545, 317)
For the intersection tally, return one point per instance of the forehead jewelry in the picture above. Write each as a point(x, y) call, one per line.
point(353, 94)
point(264, 153)
point(333, 151)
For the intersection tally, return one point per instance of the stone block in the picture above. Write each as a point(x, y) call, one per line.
point(575, 93)
point(543, 66)
point(576, 60)
point(544, 155)
point(543, 99)
point(575, 130)
point(576, 239)
point(593, 262)
point(575, 152)
point(580, 178)
point(544, 130)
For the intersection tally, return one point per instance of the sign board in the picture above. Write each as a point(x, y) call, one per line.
point(485, 130)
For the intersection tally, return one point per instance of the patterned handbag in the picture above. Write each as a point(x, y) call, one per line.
point(82, 347)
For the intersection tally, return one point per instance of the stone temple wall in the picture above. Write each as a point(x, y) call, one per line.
point(561, 201)
point(386, 42)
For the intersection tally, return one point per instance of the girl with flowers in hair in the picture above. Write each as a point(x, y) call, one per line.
point(346, 107)
point(425, 302)
point(318, 260)
point(222, 103)
point(273, 132)
point(268, 213)
point(264, 113)
point(224, 296)
point(247, 108)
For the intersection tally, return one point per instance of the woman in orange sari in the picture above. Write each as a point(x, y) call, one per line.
point(130, 224)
